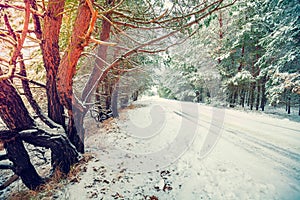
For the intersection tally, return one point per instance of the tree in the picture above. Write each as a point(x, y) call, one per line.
point(281, 44)
point(264, 41)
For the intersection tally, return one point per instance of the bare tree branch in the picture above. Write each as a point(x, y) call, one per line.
point(19, 7)
point(3, 157)
point(20, 42)
point(6, 166)
point(42, 85)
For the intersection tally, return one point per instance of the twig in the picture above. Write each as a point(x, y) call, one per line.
point(113, 8)
point(30, 81)
point(121, 31)
point(9, 181)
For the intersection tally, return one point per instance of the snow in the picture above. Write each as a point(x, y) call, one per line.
point(182, 150)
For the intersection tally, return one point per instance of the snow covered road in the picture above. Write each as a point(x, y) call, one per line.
point(181, 150)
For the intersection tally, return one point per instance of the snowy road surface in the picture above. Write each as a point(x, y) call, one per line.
point(181, 150)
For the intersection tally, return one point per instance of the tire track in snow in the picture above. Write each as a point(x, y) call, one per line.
point(249, 143)
point(267, 151)
point(263, 143)
point(266, 123)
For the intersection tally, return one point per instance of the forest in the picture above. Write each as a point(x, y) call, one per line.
point(64, 60)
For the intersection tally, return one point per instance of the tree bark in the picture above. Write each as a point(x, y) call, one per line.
point(252, 95)
point(108, 91)
point(256, 74)
point(114, 104)
point(242, 58)
point(76, 130)
point(135, 95)
point(18, 155)
point(28, 94)
point(16, 117)
point(243, 94)
point(299, 106)
point(51, 57)
point(248, 96)
point(257, 95)
point(289, 105)
point(67, 68)
point(263, 93)
point(13, 111)
point(66, 72)
point(285, 99)
point(64, 154)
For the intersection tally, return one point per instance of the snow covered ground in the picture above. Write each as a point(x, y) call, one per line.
point(165, 149)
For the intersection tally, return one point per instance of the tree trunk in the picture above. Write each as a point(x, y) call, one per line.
point(16, 117)
point(66, 72)
point(249, 96)
point(230, 99)
point(135, 95)
point(257, 95)
point(289, 105)
point(263, 93)
point(243, 94)
point(242, 59)
point(18, 155)
point(124, 101)
point(235, 97)
point(13, 111)
point(76, 130)
point(29, 96)
point(252, 95)
point(201, 95)
point(299, 106)
point(115, 100)
point(285, 101)
point(108, 92)
point(57, 141)
point(50, 51)
point(51, 57)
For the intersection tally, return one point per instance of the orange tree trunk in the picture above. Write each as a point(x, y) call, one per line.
point(66, 72)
